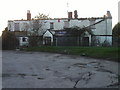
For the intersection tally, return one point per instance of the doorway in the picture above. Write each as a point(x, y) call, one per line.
point(85, 41)
point(48, 41)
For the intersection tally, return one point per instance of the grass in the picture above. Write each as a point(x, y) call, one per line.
point(110, 53)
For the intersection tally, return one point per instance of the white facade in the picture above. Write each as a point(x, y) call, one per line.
point(23, 25)
point(101, 27)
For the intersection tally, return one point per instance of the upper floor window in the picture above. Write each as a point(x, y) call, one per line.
point(17, 28)
point(66, 24)
point(51, 25)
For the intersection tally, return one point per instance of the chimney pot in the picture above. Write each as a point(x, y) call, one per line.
point(109, 14)
point(75, 14)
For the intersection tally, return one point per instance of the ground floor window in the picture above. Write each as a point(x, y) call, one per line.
point(24, 39)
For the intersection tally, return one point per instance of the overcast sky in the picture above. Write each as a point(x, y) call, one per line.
point(17, 9)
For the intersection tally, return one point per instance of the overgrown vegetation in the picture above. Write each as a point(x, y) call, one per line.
point(77, 31)
point(110, 53)
point(116, 35)
point(35, 36)
point(9, 40)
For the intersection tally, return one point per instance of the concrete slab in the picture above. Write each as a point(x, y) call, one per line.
point(47, 70)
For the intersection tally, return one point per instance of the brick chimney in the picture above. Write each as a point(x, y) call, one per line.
point(28, 15)
point(69, 15)
point(75, 14)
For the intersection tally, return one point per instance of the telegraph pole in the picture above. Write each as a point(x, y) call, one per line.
point(67, 7)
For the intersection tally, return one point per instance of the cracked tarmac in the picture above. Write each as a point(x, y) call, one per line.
point(47, 70)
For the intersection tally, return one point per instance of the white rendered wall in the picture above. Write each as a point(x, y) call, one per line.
point(100, 27)
point(21, 41)
point(102, 39)
point(23, 25)
point(11, 25)
point(60, 25)
point(109, 26)
point(104, 28)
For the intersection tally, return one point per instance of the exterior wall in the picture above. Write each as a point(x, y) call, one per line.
point(10, 25)
point(92, 21)
point(60, 25)
point(109, 26)
point(103, 28)
point(79, 23)
point(23, 25)
point(100, 28)
point(57, 25)
point(101, 40)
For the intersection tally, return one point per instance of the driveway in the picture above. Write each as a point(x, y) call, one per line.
point(49, 70)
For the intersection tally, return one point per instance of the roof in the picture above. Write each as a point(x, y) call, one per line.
point(60, 19)
point(89, 31)
point(95, 23)
point(47, 30)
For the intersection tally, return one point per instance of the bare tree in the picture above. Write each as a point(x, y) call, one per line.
point(35, 36)
point(42, 16)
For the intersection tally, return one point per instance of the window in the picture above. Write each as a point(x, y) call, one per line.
point(24, 39)
point(51, 25)
point(17, 28)
point(66, 24)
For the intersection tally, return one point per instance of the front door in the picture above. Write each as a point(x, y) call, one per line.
point(85, 41)
point(48, 41)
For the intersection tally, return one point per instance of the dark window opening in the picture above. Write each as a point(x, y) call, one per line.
point(24, 39)
point(51, 25)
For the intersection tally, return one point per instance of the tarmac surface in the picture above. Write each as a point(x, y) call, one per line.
point(50, 70)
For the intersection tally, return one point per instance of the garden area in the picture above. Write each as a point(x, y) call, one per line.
point(109, 53)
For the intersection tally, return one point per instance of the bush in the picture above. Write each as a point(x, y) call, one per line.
point(35, 40)
point(9, 40)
